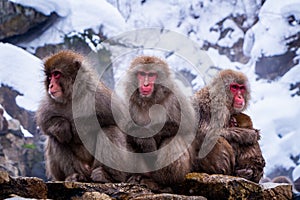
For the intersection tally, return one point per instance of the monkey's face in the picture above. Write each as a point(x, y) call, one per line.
point(54, 88)
point(238, 92)
point(146, 82)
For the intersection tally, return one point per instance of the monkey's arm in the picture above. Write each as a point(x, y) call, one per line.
point(240, 135)
point(58, 127)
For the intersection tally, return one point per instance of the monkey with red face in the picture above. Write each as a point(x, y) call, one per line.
point(66, 116)
point(225, 143)
point(163, 120)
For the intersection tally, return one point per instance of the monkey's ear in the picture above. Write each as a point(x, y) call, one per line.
point(77, 65)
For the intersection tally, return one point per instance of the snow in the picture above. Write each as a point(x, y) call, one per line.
point(23, 72)
point(77, 15)
point(296, 173)
point(273, 109)
point(8, 118)
point(274, 112)
point(269, 36)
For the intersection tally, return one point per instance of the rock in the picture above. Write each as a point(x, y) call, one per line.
point(221, 187)
point(94, 196)
point(4, 177)
point(278, 65)
point(22, 186)
point(198, 186)
point(8, 101)
point(228, 187)
point(11, 154)
point(167, 196)
point(21, 156)
point(67, 190)
point(17, 21)
point(277, 191)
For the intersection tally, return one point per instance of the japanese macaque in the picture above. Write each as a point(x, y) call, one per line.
point(163, 120)
point(3, 122)
point(66, 114)
point(224, 139)
point(241, 120)
point(249, 160)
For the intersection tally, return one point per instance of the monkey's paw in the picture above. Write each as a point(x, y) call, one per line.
point(99, 175)
point(76, 177)
point(245, 173)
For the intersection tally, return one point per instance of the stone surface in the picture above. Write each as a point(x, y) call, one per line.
point(21, 156)
point(67, 190)
point(198, 186)
point(277, 191)
point(8, 101)
point(167, 197)
point(221, 187)
point(17, 21)
point(22, 186)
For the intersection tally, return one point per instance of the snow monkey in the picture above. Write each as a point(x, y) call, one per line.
point(161, 112)
point(67, 158)
point(236, 150)
point(249, 160)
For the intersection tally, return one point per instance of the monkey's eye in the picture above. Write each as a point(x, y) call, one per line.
point(242, 88)
point(234, 87)
point(152, 74)
point(141, 73)
point(56, 74)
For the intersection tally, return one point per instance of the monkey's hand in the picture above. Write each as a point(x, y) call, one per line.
point(233, 122)
point(76, 177)
point(245, 173)
point(60, 128)
point(99, 175)
point(241, 136)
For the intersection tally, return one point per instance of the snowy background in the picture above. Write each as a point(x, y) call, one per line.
point(273, 108)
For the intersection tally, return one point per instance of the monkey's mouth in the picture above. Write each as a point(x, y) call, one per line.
point(239, 105)
point(55, 94)
point(145, 92)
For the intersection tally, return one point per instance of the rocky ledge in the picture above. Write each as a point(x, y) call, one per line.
point(197, 186)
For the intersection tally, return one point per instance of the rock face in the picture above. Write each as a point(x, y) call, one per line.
point(8, 101)
point(17, 21)
point(229, 187)
point(21, 156)
point(198, 186)
point(24, 187)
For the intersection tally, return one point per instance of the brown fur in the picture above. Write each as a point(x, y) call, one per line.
point(215, 138)
point(66, 156)
point(163, 95)
point(249, 160)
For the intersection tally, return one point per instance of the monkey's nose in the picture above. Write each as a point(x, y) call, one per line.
point(146, 82)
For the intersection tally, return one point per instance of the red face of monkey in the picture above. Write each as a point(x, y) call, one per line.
point(54, 89)
point(238, 91)
point(146, 81)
